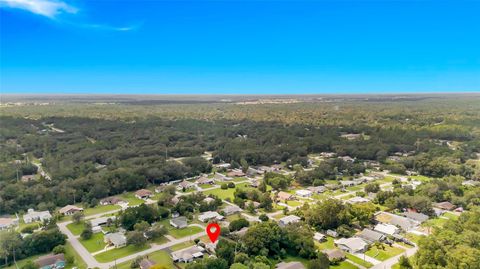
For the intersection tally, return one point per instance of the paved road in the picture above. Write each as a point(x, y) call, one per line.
point(92, 262)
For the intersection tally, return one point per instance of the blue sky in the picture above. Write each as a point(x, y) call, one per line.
point(239, 47)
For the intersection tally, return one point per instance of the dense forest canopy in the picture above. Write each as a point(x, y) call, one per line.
point(92, 151)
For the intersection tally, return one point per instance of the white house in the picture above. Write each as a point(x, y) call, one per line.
point(387, 229)
point(319, 237)
point(70, 210)
point(287, 220)
point(33, 215)
point(303, 193)
point(116, 239)
point(209, 215)
point(187, 255)
point(352, 245)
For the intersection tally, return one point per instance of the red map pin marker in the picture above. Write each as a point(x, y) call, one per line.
point(213, 231)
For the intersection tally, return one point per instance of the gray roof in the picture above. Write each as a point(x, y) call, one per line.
point(116, 239)
point(416, 216)
point(180, 221)
point(188, 253)
point(371, 235)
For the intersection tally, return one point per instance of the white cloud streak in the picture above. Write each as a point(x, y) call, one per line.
point(52, 9)
point(47, 8)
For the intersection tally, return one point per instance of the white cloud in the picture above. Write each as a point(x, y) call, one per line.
point(47, 8)
point(53, 8)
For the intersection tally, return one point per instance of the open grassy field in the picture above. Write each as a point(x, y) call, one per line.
point(179, 233)
point(116, 253)
point(100, 209)
point(160, 257)
point(76, 228)
point(182, 245)
point(383, 254)
point(358, 261)
point(131, 199)
point(326, 245)
point(78, 261)
point(94, 244)
point(343, 265)
point(224, 194)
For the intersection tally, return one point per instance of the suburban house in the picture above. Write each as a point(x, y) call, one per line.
point(7, 222)
point(221, 177)
point(347, 159)
point(332, 233)
point(371, 236)
point(236, 173)
point(209, 200)
point(112, 201)
point(27, 178)
point(52, 261)
point(303, 193)
point(348, 183)
point(334, 254)
point(284, 196)
point(447, 206)
point(317, 189)
point(231, 209)
point(470, 183)
point(254, 183)
point(186, 185)
point(351, 136)
point(290, 265)
point(404, 223)
point(416, 216)
point(179, 222)
point(319, 237)
point(387, 229)
point(70, 210)
point(117, 240)
point(205, 180)
point(287, 220)
point(251, 172)
point(222, 165)
point(33, 215)
point(352, 245)
point(187, 255)
point(143, 194)
point(101, 221)
point(146, 263)
point(357, 200)
point(209, 215)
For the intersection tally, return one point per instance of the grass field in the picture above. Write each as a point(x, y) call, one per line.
point(113, 254)
point(76, 229)
point(160, 257)
point(179, 233)
point(100, 209)
point(358, 261)
point(78, 261)
point(383, 255)
point(224, 194)
point(294, 203)
point(413, 237)
point(343, 265)
point(131, 199)
point(206, 186)
point(181, 245)
point(94, 244)
point(326, 245)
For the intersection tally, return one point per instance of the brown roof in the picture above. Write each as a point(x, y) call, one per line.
point(49, 259)
point(146, 264)
point(235, 174)
point(143, 192)
point(111, 200)
point(284, 196)
point(68, 208)
point(445, 205)
point(334, 254)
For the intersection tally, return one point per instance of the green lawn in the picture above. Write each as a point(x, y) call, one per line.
point(436, 222)
point(413, 237)
point(78, 261)
point(383, 255)
point(116, 253)
point(294, 203)
point(76, 229)
point(131, 199)
point(343, 265)
point(326, 245)
point(346, 197)
point(182, 245)
point(358, 261)
point(179, 233)
point(450, 215)
point(224, 194)
point(238, 179)
point(100, 209)
point(95, 243)
point(22, 262)
point(206, 186)
point(233, 217)
point(160, 257)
